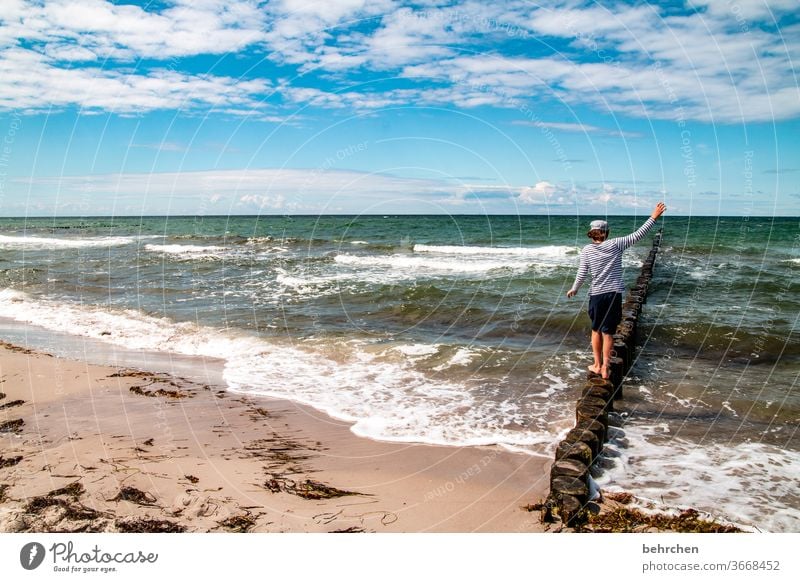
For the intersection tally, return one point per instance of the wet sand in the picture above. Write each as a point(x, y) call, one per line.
point(98, 448)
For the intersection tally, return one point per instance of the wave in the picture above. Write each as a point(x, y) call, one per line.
point(414, 263)
point(188, 252)
point(384, 399)
point(750, 483)
point(546, 252)
point(36, 242)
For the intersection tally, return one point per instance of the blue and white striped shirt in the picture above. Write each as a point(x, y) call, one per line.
point(604, 262)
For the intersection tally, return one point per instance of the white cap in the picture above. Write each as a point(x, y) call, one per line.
point(599, 225)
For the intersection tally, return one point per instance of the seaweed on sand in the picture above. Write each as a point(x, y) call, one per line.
point(12, 404)
point(307, 489)
point(73, 489)
point(9, 462)
point(12, 425)
point(625, 519)
point(147, 525)
point(135, 495)
point(238, 523)
point(160, 392)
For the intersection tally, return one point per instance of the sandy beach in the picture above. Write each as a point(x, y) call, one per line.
point(98, 448)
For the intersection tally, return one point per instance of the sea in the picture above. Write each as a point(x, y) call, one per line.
point(452, 330)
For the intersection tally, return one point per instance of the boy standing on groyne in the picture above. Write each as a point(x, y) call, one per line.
point(602, 259)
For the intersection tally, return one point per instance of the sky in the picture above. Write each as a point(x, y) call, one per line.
point(577, 107)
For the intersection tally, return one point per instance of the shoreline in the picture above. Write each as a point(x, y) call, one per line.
point(104, 448)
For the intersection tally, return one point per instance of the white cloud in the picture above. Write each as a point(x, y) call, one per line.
point(31, 81)
point(606, 196)
point(577, 127)
point(721, 62)
point(745, 9)
point(124, 30)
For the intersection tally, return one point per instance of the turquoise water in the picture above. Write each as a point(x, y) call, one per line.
point(455, 330)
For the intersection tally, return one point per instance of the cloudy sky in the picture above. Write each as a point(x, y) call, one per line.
point(388, 106)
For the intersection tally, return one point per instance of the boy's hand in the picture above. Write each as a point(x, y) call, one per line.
point(571, 293)
point(660, 208)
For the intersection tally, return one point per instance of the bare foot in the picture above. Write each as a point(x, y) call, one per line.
point(594, 369)
point(605, 372)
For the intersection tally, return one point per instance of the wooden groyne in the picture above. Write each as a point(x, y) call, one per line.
point(569, 475)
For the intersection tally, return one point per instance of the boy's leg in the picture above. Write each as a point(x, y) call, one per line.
point(608, 345)
point(597, 351)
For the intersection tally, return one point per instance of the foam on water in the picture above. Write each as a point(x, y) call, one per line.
point(309, 284)
point(384, 400)
point(36, 242)
point(752, 483)
point(188, 252)
point(545, 252)
point(413, 263)
point(418, 351)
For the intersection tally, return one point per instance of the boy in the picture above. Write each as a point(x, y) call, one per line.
point(603, 260)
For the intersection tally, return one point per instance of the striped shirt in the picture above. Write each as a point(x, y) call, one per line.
point(604, 262)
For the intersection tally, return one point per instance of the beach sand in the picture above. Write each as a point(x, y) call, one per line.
point(98, 448)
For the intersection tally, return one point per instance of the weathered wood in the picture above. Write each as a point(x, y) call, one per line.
point(569, 468)
point(570, 510)
point(594, 426)
point(574, 450)
point(595, 391)
point(620, 350)
point(595, 402)
point(602, 382)
point(570, 486)
point(584, 436)
point(586, 412)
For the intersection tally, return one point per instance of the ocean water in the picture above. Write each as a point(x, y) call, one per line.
point(456, 331)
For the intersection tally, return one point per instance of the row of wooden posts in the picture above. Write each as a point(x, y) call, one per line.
point(569, 475)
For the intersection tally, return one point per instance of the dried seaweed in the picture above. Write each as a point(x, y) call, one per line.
point(131, 374)
point(238, 523)
point(13, 348)
point(72, 511)
point(627, 520)
point(135, 495)
point(10, 462)
point(74, 489)
point(623, 498)
point(12, 404)
point(12, 425)
point(307, 489)
point(3, 488)
point(146, 525)
point(160, 392)
point(191, 479)
point(351, 529)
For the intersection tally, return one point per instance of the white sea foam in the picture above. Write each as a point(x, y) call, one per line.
point(752, 483)
point(188, 252)
point(545, 252)
point(414, 263)
point(358, 242)
point(309, 284)
point(462, 357)
point(36, 242)
point(417, 351)
point(554, 386)
point(385, 400)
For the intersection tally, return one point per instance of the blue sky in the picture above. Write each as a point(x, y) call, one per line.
point(386, 106)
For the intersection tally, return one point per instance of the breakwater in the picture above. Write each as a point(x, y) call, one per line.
point(570, 480)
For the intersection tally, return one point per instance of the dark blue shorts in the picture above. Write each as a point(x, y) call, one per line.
point(605, 311)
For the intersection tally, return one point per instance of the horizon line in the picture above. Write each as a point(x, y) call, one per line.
point(392, 214)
